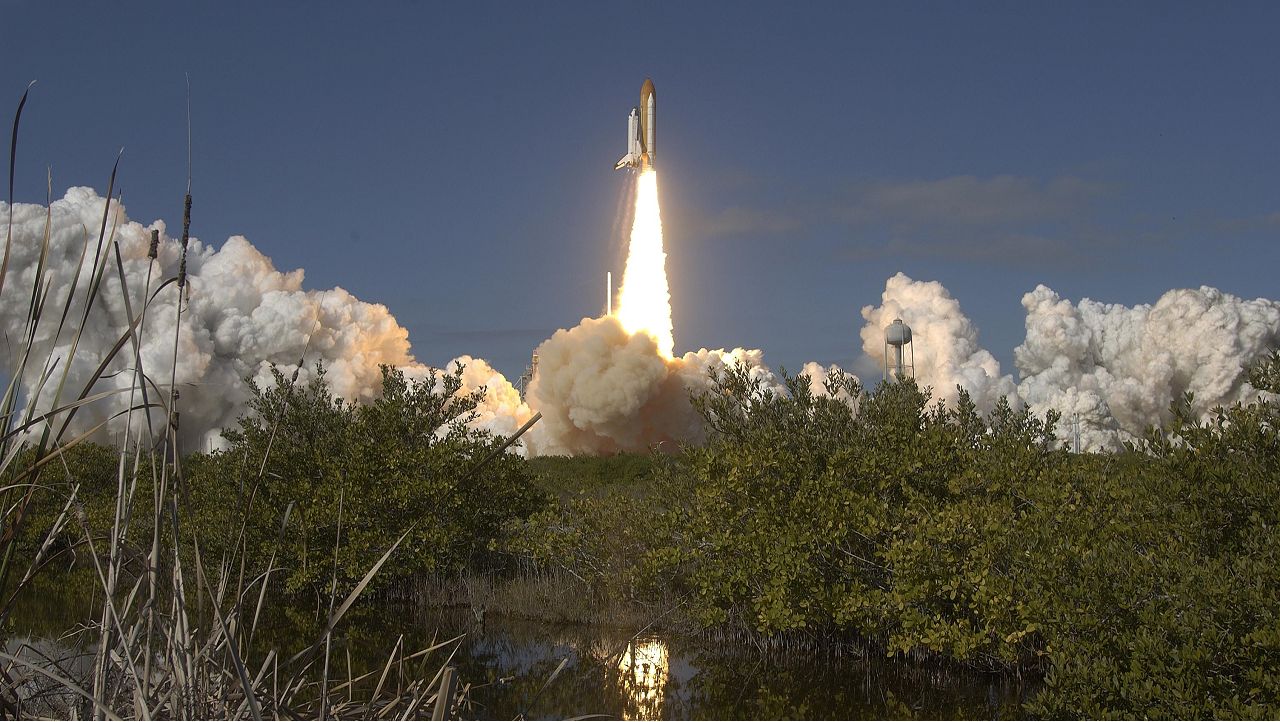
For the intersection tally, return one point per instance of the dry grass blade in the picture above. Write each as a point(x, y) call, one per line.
point(13, 159)
point(98, 704)
point(349, 685)
point(111, 621)
point(560, 668)
point(262, 591)
point(444, 697)
point(333, 589)
point(428, 690)
point(37, 420)
point(267, 663)
point(230, 645)
point(391, 658)
point(107, 359)
point(501, 448)
point(38, 298)
point(438, 645)
point(36, 564)
point(351, 598)
point(58, 452)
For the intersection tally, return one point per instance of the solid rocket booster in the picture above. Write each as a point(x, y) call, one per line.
point(641, 126)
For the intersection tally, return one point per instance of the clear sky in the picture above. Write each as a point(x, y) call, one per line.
point(453, 161)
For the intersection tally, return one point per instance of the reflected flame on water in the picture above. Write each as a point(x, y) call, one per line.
point(643, 672)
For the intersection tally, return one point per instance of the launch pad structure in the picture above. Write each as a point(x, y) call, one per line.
point(526, 378)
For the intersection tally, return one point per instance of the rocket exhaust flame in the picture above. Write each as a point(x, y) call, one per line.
point(644, 303)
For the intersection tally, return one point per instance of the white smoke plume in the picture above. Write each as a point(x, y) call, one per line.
point(1114, 369)
point(1121, 368)
point(698, 368)
point(501, 411)
point(947, 353)
point(602, 390)
point(243, 316)
point(818, 376)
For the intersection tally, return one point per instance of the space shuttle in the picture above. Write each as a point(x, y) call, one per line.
point(640, 131)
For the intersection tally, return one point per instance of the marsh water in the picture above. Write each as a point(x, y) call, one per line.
point(607, 672)
point(616, 673)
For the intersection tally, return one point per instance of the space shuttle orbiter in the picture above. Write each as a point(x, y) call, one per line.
point(640, 131)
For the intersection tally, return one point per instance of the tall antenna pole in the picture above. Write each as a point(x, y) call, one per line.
point(608, 292)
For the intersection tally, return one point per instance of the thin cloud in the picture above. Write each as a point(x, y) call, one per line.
point(1264, 222)
point(742, 221)
point(1006, 219)
point(969, 201)
point(965, 201)
point(1008, 248)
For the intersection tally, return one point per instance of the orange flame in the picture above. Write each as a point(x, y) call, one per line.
point(644, 303)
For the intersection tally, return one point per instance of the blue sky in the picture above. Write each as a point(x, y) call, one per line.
point(453, 161)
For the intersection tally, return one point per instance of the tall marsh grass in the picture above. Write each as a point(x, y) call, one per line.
point(173, 634)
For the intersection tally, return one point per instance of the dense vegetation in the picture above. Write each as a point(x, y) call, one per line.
point(1145, 583)
point(324, 487)
point(358, 476)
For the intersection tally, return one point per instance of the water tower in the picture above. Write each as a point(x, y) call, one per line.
point(896, 365)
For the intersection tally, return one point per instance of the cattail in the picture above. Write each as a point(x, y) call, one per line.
point(186, 235)
point(155, 244)
point(186, 221)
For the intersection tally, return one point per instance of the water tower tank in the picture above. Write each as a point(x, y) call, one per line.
point(897, 336)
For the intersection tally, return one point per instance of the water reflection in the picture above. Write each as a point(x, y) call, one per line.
point(672, 677)
point(643, 672)
point(508, 663)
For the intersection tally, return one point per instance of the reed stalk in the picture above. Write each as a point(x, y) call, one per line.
point(167, 641)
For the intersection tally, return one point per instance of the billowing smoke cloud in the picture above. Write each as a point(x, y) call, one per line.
point(1116, 369)
point(599, 388)
point(243, 316)
point(602, 390)
point(700, 367)
point(501, 411)
point(818, 377)
point(1113, 369)
point(947, 353)
point(1121, 368)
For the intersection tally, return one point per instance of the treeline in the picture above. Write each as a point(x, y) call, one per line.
point(319, 489)
point(1145, 583)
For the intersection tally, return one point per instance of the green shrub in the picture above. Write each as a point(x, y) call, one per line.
point(352, 478)
point(1145, 583)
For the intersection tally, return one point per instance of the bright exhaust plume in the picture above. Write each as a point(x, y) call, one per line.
point(644, 303)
